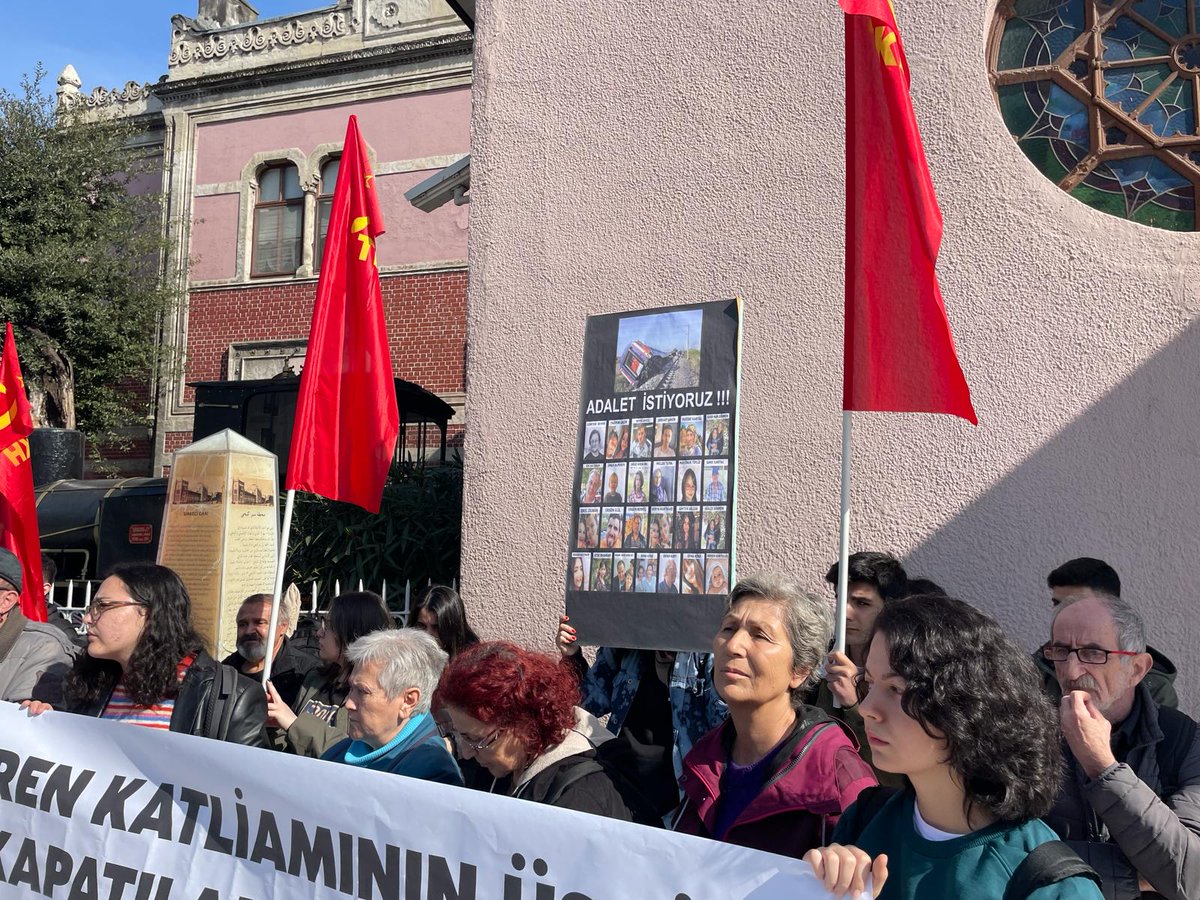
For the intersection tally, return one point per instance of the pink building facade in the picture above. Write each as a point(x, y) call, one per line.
point(251, 116)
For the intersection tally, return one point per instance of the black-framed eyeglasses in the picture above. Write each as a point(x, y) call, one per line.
point(475, 746)
point(1090, 656)
point(97, 608)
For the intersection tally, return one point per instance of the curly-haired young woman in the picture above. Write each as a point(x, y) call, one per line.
point(954, 706)
point(516, 712)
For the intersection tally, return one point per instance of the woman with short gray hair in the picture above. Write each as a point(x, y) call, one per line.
point(392, 679)
point(777, 774)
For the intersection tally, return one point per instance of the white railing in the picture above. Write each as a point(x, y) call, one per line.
point(74, 596)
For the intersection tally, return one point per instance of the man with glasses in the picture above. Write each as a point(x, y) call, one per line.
point(34, 656)
point(1080, 577)
point(1130, 803)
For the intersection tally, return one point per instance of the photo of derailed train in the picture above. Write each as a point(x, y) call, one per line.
point(640, 364)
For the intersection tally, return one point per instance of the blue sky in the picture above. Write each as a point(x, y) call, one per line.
point(109, 42)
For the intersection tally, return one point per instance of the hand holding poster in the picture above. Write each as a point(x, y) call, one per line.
point(95, 809)
point(652, 550)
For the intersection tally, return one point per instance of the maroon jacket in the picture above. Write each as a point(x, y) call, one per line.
point(816, 774)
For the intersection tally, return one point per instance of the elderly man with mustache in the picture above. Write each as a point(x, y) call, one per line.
point(1130, 803)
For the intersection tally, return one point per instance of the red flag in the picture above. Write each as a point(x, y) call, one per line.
point(346, 416)
point(899, 354)
point(18, 510)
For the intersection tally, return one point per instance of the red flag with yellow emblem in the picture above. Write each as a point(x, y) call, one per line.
point(899, 353)
point(18, 510)
point(346, 417)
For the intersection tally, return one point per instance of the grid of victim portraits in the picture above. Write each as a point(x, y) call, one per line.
point(653, 506)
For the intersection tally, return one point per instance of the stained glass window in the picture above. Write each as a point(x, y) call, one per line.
point(1101, 96)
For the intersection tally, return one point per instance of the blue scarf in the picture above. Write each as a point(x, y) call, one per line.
point(359, 753)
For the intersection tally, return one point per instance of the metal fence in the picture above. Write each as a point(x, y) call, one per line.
point(73, 597)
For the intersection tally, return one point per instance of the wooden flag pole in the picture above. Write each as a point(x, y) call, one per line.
point(279, 566)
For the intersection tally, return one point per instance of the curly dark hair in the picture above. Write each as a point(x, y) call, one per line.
point(454, 632)
point(528, 694)
point(166, 638)
point(968, 683)
point(880, 570)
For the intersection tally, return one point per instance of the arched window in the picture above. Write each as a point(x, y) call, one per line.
point(278, 221)
point(1101, 96)
point(329, 174)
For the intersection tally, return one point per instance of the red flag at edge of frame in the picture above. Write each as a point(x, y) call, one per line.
point(899, 353)
point(18, 509)
point(346, 416)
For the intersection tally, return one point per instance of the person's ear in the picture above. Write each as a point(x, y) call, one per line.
point(1140, 665)
point(799, 676)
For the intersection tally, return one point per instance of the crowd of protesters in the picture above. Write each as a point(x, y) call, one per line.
point(932, 758)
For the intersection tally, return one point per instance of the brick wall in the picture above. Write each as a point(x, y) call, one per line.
point(426, 318)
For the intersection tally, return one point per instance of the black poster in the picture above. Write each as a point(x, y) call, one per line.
point(652, 548)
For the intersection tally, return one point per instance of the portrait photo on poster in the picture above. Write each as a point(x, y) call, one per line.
point(656, 467)
point(642, 445)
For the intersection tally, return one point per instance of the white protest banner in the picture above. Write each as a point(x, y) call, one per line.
point(104, 811)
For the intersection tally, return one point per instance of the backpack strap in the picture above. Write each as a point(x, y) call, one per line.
point(1047, 864)
point(218, 712)
point(569, 775)
point(866, 806)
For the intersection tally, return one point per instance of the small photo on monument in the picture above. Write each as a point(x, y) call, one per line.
point(713, 535)
point(591, 485)
point(687, 528)
point(689, 482)
point(601, 572)
point(662, 482)
point(593, 441)
point(667, 431)
point(662, 522)
point(716, 481)
point(587, 534)
point(691, 436)
point(658, 351)
point(623, 572)
point(717, 574)
point(614, 483)
point(253, 492)
point(646, 580)
point(668, 573)
point(642, 445)
point(638, 487)
point(196, 490)
point(612, 526)
point(637, 519)
point(617, 445)
point(578, 575)
point(691, 577)
point(716, 441)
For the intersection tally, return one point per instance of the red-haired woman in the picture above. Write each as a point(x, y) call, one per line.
point(516, 712)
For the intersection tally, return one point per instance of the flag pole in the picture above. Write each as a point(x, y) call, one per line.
point(279, 566)
point(839, 638)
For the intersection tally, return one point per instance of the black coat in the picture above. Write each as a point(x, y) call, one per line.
point(603, 791)
point(247, 720)
point(291, 665)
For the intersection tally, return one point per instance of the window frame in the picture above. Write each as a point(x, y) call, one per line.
point(282, 202)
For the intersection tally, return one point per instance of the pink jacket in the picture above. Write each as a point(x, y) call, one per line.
point(816, 774)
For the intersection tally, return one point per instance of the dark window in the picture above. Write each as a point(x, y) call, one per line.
point(329, 174)
point(278, 221)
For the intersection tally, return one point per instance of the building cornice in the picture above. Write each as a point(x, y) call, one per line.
point(178, 91)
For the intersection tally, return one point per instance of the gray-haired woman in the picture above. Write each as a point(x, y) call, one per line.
point(777, 774)
point(392, 680)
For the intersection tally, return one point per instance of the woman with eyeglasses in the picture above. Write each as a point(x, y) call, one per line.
point(320, 718)
point(516, 712)
point(955, 707)
point(146, 665)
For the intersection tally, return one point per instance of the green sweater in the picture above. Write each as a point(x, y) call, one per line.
point(976, 865)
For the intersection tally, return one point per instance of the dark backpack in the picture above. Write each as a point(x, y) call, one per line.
point(222, 697)
point(1046, 864)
